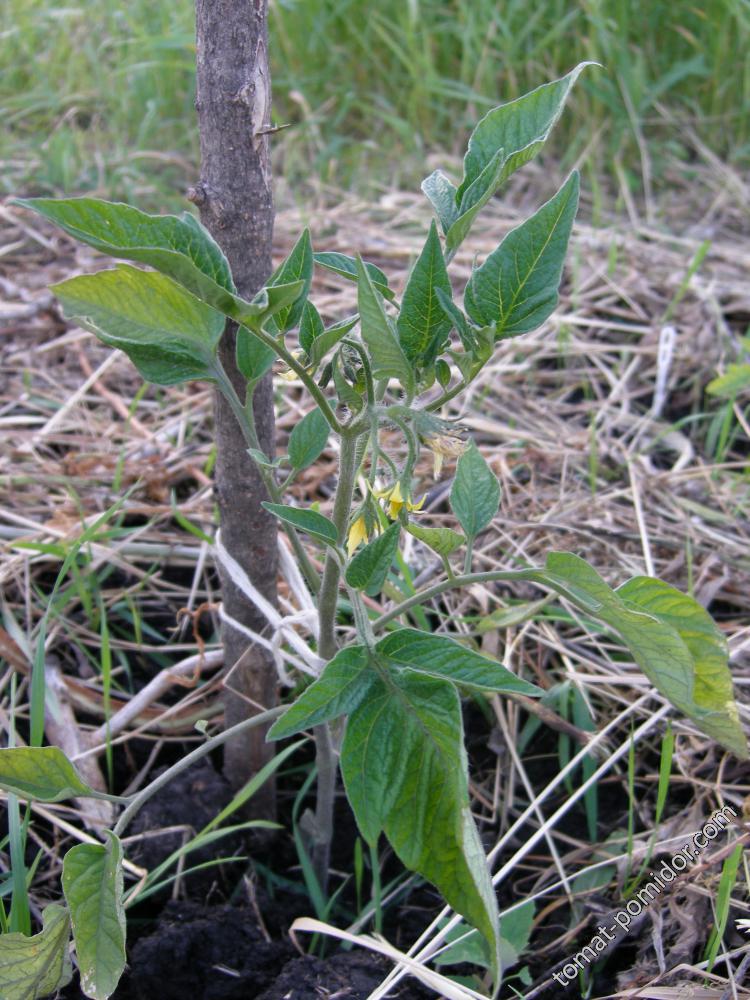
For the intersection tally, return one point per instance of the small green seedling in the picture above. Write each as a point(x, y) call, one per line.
point(394, 691)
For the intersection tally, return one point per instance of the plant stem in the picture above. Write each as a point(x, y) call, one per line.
point(244, 416)
point(310, 384)
point(455, 583)
point(141, 798)
point(325, 756)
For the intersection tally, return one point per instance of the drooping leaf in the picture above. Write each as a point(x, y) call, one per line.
point(440, 540)
point(475, 494)
point(404, 767)
point(37, 966)
point(308, 439)
point(517, 286)
point(422, 324)
point(346, 267)
point(179, 247)
point(670, 636)
point(311, 521)
point(439, 656)
point(343, 684)
point(442, 196)
point(369, 568)
point(386, 357)
point(713, 706)
point(519, 128)
point(330, 337)
point(310, 327)
point(298, 266)
point(41, 774)
point(92, 881)
point(168, 334)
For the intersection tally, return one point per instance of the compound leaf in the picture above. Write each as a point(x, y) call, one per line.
point(92, 881)
point(517, 286)
point(37, 966)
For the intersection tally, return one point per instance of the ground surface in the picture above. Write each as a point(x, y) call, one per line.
point(605, 444)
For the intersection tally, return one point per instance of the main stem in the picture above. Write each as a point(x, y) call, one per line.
point(325, 755)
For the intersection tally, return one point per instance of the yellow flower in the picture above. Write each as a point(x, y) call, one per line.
point(396, 501)
point(357, 534)
point(444, 446)
point(287, 373)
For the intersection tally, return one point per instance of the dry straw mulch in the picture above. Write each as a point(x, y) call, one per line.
point(597, 426)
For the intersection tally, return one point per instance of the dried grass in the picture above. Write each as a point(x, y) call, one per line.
point(600, 442)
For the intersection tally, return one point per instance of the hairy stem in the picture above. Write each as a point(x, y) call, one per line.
point(141, 798)
point(454, 583)
point(325, 756)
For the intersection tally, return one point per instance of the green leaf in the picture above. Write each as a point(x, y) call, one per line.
point(387, 358)
point(92, 881)
point(515, 932)
point(346, 267)
point(517, 286)
point(311, 521)
point(308, 439)
point(369, 568)
point(442, 196)
point(458, 321)
point(254, 358)
point(404, 767)
point(168, 334)
point(177, 246)
point(343, 684)
point(475, 494)
point(475, 198)
point(330, 337)
point(422, 324)
point(440, 540)
point(731, 383)
point(712, 705)
point(37, 966)
point(310, 327)
point(266, 304)
point(439, 656)
point(41, 774)
point(519, 128)
point(298, 266)
point(670, 636)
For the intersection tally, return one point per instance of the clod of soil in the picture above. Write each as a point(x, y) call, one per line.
point(211, 953)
